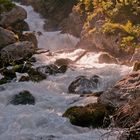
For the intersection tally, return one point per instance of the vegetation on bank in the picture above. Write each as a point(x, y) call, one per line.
point(120, 17)
point(6, 5)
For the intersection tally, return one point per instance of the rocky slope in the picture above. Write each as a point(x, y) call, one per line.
point(14, 44)
point(99, 28)
point(121, 102)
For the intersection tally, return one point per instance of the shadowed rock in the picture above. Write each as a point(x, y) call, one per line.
point(89, 115)
point(23, 98)
point(124, 90)
point(83, 85)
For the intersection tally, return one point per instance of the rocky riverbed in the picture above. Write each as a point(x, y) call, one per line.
point(50, 89)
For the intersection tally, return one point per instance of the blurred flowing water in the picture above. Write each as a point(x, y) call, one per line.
point(44, 121)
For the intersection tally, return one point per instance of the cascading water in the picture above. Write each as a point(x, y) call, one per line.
point(44, 121)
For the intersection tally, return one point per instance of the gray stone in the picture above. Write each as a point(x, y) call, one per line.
point(17, 13)
point(6, 37)
point(17, 51)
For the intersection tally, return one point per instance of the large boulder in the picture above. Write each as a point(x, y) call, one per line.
point(29, 37)
point(15, 14)
point(126, 89)
point(17, 51)
point(19, 26)
point(6, 37)
point(84, 85)
point(91, 115)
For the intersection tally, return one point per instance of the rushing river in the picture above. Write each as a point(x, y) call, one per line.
point(44, 121)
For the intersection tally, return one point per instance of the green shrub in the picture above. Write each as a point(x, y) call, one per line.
point(6, 5)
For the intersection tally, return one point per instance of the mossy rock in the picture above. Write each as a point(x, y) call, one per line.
point(8, 74)
point(6, 5)
point(23, 98)
point(22, 68)
point(24, 79)
point(19, 26)
point(62, 69)
point(52, 69)
point(3, 81)
point(36, 76)
point(90, 115)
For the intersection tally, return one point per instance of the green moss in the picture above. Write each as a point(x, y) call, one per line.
point(22, 68)
point(90, 115)
point(23, 98)
point(6, 5)
point(36, 76)
point(9, 74)
point(119, 18)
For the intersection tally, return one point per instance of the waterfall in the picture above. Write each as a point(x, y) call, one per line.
point(44, 121)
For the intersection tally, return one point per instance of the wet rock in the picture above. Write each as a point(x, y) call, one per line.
point(22, 68)
point(23, 98)
point(8, 74)
point(18, 27)
point(49, 69)
point(30, 37)
point(36, 76)
point(24, 78)
point(89, 115)
point(6, 37)
point(17, 51)
point(52, 69)
point(124, 90)
point(63, 61)
point(15, 14)
point(62, 69)
point(83, 85)
point(32, 60)
point(136, 66)
point(107, 58)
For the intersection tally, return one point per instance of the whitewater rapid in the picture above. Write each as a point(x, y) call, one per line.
point(44, 121)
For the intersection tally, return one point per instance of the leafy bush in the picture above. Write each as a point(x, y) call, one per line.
point(6, 5)
point(120, 17)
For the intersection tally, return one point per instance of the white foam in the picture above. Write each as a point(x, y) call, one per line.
point(48, 40)
point(44, 121)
